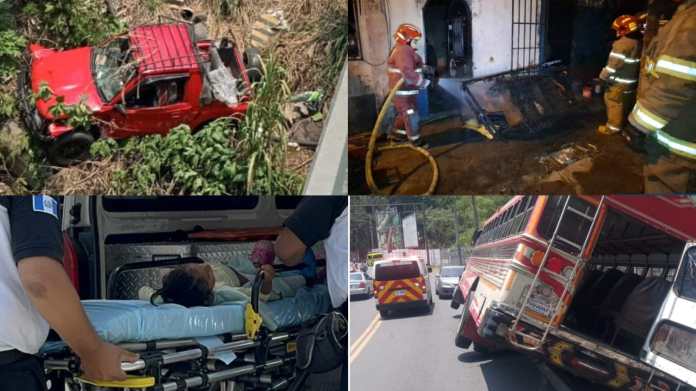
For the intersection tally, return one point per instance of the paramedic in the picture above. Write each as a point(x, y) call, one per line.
point(621, 73)
point(405, 63)
point(35, 293)
point(315, 219)
point(665, 112)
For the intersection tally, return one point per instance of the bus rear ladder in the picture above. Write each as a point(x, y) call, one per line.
point(577, 264)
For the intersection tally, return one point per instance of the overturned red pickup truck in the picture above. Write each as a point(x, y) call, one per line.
point(146, 81)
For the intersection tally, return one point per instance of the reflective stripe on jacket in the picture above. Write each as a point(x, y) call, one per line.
point(405, 63)
point(667, 98)
point(624, 62)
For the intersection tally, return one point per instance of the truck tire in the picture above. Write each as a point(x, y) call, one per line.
point(460, 340)
point(253, 64)
point(70, 148)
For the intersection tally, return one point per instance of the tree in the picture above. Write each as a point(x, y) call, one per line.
point(435, 215)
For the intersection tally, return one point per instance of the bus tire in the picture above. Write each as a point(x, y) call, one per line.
point(460, 340)
point(481, 349)
point(456, 298)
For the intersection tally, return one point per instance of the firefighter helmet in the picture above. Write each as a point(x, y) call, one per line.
point(406, 33)
point(625, 24)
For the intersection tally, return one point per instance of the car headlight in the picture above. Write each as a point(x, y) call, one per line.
point(676, 343)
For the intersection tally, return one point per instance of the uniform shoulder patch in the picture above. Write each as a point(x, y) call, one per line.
point(45, 204)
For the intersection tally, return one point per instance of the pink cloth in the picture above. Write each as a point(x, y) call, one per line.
point(263, 253)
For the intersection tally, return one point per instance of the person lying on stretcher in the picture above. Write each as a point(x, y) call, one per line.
point(213, 282)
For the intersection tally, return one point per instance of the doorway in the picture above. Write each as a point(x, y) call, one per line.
point(448, 37)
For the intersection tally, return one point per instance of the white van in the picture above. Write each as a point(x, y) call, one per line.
point(671, 344)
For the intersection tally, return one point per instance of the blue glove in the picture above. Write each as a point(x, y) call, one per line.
point(310, 270)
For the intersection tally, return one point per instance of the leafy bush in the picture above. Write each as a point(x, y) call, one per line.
point(182, 163)
point(72, 23)
point(8, 106)
point(11, 47)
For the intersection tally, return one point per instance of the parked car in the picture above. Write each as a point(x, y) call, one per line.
point(447, 280)
point(147, 81)
point(360, 285)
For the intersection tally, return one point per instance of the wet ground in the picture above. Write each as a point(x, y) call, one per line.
point(469, 164)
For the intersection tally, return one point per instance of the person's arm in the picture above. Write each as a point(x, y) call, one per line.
point(37, 250)
point(673, 85)
point(51, 292)
point(268, 274)
point(616, 61)
point(406, 62)
point(309, 223)
point(289, 248)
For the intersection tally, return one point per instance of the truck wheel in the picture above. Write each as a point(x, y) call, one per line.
point(460, 340)
point(70, 148)
point(253, 64)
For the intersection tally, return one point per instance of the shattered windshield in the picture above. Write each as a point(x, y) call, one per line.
point(112, 67)
point(687, 277)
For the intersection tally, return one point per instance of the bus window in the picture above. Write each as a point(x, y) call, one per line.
point(397, 271)
point(575, 228)
point(686, 286)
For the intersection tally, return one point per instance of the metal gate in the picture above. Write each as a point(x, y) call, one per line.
point(528, 31)
point(459, 38)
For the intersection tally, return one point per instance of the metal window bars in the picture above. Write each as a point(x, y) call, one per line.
point(528, 29)
point(166, 47)
point(578, 262)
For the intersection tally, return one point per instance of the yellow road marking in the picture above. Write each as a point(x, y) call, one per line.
point(371, 325)
point(362, 341)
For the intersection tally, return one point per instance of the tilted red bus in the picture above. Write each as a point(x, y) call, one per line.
point(611, 259)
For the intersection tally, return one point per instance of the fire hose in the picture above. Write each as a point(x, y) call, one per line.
point(373, 141)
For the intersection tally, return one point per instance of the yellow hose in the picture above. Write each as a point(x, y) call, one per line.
point(373, 141)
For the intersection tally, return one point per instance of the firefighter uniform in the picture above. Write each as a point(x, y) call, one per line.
point(621, 73)
point(666, 107)
point(405, 63)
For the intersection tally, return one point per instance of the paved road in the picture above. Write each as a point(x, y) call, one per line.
point(416, 352)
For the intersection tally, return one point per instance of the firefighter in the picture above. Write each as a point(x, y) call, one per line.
point(621, 73)
point(666, 109)
point(405, 63)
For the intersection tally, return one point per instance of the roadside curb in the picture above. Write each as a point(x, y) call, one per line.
point(553, 378)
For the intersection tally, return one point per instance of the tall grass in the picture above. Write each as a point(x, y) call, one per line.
point(262, 136)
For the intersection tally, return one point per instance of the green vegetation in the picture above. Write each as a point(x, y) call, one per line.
point(227, 156)
point(70, 23)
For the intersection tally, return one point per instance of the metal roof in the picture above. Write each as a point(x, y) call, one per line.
point(163, 47)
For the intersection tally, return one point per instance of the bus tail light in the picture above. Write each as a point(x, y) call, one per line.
point(676, 343)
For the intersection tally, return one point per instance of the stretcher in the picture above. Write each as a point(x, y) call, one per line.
point(237, 345)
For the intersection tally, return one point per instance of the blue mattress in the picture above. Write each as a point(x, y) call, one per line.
point(119, 321)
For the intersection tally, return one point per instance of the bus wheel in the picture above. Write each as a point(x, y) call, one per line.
point(481, 349)
point(460, 340)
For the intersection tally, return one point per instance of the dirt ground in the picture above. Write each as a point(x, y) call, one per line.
point(469, 164)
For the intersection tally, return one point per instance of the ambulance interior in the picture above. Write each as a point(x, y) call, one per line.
point(626, 280)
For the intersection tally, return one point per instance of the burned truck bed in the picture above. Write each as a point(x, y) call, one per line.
point(524, 104)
